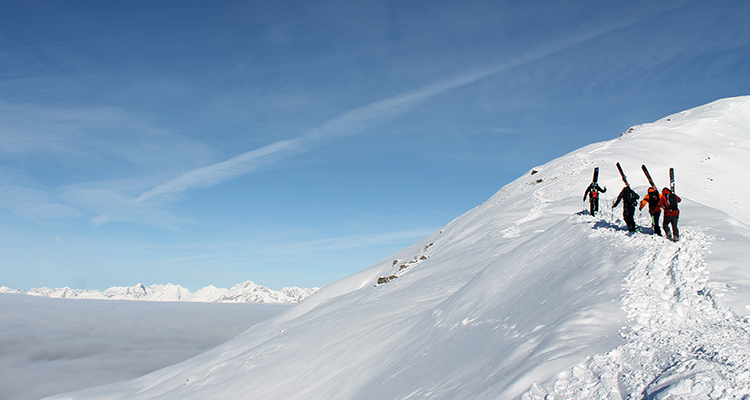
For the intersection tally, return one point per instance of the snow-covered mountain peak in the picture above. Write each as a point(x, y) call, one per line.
point(527, 295)
point(241, 293)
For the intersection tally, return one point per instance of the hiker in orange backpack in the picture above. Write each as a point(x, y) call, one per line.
point(668, 203)
point(652, 198)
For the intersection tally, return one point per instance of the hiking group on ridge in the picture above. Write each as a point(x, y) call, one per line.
point(667, 200)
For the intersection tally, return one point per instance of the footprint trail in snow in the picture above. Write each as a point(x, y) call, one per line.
point(680, 344)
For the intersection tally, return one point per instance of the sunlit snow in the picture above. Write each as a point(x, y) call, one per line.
point(527, 296)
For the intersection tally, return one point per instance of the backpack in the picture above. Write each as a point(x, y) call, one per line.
point(631, 197)
point(672, 202)
point(653, 200)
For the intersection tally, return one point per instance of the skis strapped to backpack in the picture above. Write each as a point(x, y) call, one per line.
point(648, 176)
point(622, 174)
point(672, 198)
point(593, 193)
point(596, 176)
point(671, 179)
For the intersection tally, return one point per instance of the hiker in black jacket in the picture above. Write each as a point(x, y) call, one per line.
point(629, 201)
point(592, 192)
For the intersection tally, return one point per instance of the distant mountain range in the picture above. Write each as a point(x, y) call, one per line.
point(247, 292)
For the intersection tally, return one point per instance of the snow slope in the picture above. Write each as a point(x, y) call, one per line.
point(246, 292)
point(527, 296)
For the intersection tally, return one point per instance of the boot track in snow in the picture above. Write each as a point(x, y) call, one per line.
point(680, 344)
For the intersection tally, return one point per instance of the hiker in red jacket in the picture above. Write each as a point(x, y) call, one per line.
point(668, 203)
point(652, 199)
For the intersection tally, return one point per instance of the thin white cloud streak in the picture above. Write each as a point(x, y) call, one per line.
point(344, 125)
point(102, 135)
point(349, 123)
point(114, 206)
point(18, 197)
point(225, 170)
point(33, 205)
point(358, 241)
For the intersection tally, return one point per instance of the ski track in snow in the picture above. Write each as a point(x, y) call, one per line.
point(680, 344)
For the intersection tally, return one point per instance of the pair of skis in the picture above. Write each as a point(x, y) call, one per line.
point(591, 191)
point(651, 181)
point(648, 176)
point(595, 181)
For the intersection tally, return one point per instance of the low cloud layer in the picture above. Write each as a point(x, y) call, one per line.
point(51, 346)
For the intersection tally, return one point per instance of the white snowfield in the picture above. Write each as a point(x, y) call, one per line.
point(527, 296)
point(247, 292)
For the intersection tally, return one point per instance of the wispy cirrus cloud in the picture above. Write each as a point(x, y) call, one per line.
point(359, 241)
point(88, 140)
point(102, 135)
point(225, 170)
point(351, 122)
point(75, 134)
point(114, 206)
point(19, 196)
point(346, 124)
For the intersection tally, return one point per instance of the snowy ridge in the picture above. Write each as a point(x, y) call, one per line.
point(680, 344)
point(5, 289)
point(247, 292)
point(526, 296)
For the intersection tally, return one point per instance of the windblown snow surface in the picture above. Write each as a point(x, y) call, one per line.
point(527, 296)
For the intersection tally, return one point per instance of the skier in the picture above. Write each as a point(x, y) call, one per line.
point(652, 198)
point(669, 202)
point(592, 192)
point(629, 201)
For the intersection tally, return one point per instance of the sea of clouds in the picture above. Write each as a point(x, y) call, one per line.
point(50, 346)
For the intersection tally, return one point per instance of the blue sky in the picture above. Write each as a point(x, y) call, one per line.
point(293, 143)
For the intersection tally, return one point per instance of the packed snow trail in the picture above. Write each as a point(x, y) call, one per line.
point(681, 345)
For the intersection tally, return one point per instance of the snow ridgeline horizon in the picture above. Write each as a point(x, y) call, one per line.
point(526, 296)
point(246, 292)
